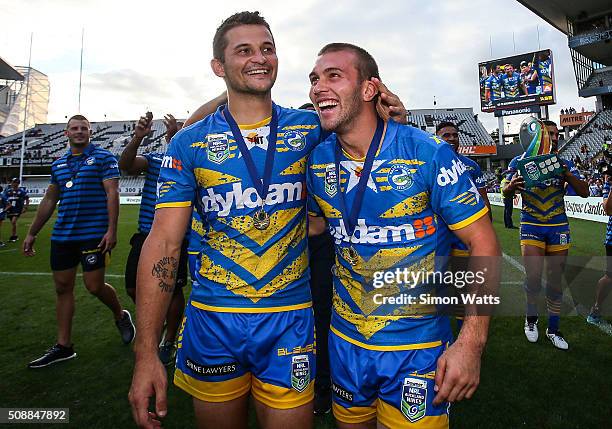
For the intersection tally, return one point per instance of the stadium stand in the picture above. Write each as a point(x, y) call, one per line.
point(592, 135)
point(49, 139)
point(471, 130)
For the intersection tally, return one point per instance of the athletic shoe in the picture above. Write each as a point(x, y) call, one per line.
point(322, 401)
point(13, 239)
point(2, 244)
point(531, 331)
point(55, 354)
point(594, 317)
point(557, 340)
point(167, 351)
point(126, 327)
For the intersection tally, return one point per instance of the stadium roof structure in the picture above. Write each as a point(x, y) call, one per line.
point(7, 71)
point(557, 12)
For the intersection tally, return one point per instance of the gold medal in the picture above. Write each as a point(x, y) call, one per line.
point(351, 255)
point(261, 220)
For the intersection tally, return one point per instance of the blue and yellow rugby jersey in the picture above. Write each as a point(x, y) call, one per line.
point(149, 192)
point(417, 187)
point(196, 233)
point(545, 74)
point(494, 85)
point(241, 268)
point(82, 213)
point(511, 85)
point(473, 170)
point(606, 194)
point(544, 204)
point(16, 198)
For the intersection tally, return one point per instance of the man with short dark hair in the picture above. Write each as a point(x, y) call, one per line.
point(389, 193)
point(18, 201)
point(85, 182)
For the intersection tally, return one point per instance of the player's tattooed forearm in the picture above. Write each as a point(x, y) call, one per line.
point(165, 272)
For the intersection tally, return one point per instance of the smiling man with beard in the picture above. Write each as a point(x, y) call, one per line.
point(388, 192)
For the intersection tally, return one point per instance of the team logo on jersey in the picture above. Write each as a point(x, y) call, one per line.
point(399, 177)
point(300, 372)
point(294, 140)
point(91, 259)
point(218, 148)
point(562, 238)
point(90, 160)
point(532, 170)
point(169, 162)
point(414, 398)
point(331, 180)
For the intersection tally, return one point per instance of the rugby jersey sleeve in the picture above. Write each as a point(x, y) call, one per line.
point(453, 194)
point(53, 180)
point(571, 167)
point(110, 167)
point(477, 176)
point(176, 185)
point(312, 205)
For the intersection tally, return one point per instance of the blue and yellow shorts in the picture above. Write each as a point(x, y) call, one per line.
point(553, 238)
point(223, 356)
point(395, 387)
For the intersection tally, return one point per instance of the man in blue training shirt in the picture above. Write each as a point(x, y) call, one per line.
point(389, 192)
point(545, 232)
point(3, 207)
point(18, 201)
point(150, 163)
point(85, 182)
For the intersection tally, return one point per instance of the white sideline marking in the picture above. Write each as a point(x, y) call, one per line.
point(27, 273)
point(516, 264)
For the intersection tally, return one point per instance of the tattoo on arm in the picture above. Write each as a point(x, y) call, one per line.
point(165, 272)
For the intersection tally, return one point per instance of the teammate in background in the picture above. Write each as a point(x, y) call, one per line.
point(605, 283)
point(544, 69)
point(449, 132)
point(85, 181)
point(150, 163)
point(508, 203)
point(18, 201)
point(249, 326)
point(493, 86)
point(512, 83)
point(529, 77)
point(3, 207)
point(545, 232)
point(387, 364)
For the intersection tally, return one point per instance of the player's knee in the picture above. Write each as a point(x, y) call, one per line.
point(532, 286)
point(95, 288)
point(64, 287)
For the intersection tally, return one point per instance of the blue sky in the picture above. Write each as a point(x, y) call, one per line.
point(155, 55)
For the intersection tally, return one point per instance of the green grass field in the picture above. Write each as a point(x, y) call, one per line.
point(523, 385)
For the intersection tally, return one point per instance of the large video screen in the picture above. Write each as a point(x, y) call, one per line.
point(516, 81)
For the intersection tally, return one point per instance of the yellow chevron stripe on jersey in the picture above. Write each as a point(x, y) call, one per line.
point(382, 258)
point(298, 167)
point(238, 286)
point(258, 266)
point(328, 210)
point(278, 220)
point(410, 206)
point(209, 178)
point(407, 161)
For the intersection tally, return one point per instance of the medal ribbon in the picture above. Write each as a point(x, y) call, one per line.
point(350, 222)
point(74, 166)
point(261, 185)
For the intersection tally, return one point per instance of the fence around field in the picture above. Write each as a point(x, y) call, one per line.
point(590, 208)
